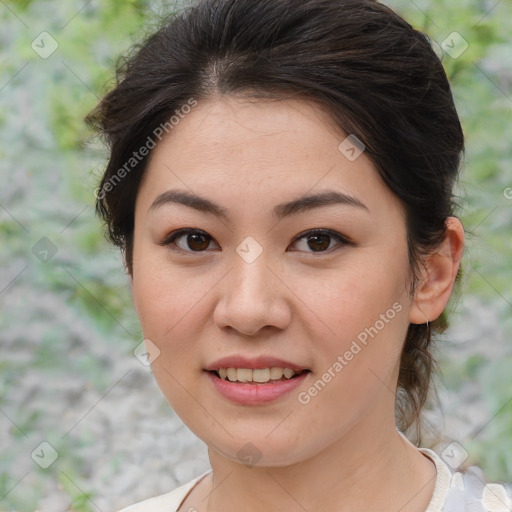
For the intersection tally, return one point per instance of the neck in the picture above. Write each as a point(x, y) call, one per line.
point(369, 468)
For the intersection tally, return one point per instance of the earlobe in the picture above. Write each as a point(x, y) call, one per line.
point(438, 276)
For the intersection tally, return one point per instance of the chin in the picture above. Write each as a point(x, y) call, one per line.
point(260, 451)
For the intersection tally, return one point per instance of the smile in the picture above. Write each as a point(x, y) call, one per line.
point(258, 386)
point(257, 375)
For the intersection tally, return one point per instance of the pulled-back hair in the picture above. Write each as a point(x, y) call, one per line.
point(374, 75)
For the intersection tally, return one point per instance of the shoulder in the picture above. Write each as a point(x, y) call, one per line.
point(168, 502)
point(467, 490)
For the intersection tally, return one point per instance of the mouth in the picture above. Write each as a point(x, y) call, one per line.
point(257, 376)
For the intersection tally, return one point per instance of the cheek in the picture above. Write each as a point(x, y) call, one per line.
point(162, 296)
point(167, 307)
point(172, 306)
point(356, 299)
point(366, 312)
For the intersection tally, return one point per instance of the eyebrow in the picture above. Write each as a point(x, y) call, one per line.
point(280, 211)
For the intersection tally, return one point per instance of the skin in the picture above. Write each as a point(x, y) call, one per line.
point(291, 302)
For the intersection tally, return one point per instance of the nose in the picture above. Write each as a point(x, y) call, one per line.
point(252, 297)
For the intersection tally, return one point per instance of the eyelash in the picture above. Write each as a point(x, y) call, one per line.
point(170, 239)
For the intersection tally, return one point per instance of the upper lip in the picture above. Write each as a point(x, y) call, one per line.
point(252, 363)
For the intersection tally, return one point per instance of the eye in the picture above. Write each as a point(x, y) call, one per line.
point(320, 239)
point(194, 240)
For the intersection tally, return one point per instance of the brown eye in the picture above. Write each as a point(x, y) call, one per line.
point(189, 240)
point(320, 240)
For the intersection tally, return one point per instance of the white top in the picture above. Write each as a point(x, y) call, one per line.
point(453, 492)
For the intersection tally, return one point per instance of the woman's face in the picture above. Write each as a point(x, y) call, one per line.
point(253, 282)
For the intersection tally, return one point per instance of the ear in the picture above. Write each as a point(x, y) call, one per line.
point(438, 276)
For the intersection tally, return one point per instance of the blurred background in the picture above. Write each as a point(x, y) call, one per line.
point(83, 426)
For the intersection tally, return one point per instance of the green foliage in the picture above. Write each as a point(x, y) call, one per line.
point(497, 431)
point(80, 501)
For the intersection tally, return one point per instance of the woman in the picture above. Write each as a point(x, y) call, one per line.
point(280, 183)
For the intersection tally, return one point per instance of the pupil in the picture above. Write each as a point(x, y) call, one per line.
point(194, 238)
point(317, 237)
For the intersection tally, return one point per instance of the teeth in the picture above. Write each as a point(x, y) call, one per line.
point(276, 373)
point(244, 374)
point(288, 373)
point(232, 374)
point(259, 375)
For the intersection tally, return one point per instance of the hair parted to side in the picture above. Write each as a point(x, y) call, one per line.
point(367, 68)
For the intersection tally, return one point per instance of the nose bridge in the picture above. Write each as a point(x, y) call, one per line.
point(250, 263)
point(251, 296)
point(251, 276)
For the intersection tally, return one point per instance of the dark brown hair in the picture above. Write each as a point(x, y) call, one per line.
point(376, 77)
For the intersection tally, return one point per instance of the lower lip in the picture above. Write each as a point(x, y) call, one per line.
point(255, 394)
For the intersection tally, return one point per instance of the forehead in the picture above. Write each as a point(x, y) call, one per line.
point(268, 129)
point(259, 148)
